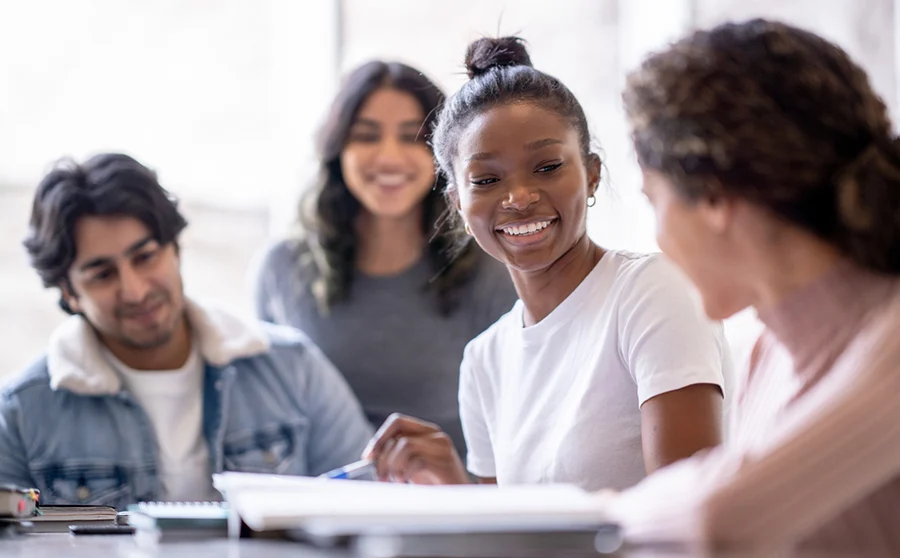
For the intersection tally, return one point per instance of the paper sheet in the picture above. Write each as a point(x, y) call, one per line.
point(266, 502)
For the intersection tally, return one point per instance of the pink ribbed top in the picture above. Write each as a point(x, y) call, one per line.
point(813, 461)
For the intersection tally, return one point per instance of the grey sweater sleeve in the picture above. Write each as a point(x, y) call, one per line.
point(271, 275)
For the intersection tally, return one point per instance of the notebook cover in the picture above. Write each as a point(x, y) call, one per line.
point(166, 516)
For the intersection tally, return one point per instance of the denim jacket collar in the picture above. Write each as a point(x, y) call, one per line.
point(76, 363)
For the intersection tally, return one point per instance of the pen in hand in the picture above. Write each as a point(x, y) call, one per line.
point(410, 450)
point(359, 470)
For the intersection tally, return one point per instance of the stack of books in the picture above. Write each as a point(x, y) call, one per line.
point(17, 502)
point(21, 511)
point(58, 519)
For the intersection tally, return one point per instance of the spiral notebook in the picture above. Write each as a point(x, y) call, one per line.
point(159, 521)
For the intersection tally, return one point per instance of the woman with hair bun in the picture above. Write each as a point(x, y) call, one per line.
point(775, 176)
point(606, 368)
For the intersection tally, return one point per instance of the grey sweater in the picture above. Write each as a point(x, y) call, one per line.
point(388, 340)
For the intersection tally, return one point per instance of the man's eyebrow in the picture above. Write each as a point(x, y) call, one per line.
point(101, 261)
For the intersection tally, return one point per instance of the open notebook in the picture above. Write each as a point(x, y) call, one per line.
point(335, 507)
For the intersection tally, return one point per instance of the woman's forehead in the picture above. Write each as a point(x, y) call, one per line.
point(520, 126)
point(390, 103)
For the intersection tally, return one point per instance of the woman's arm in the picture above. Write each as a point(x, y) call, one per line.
point(679, 361)
point(678, 424)
point(268, 266)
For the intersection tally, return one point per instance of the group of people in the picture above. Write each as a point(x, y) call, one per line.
point(442, 288)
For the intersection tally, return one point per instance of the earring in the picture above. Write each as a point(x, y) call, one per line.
point(591, 201)
point(468, 230)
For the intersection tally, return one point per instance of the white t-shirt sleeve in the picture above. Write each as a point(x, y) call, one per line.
point(666, 340)
point(480, 452)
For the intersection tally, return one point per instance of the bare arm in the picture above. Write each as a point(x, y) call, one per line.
point(678, 424)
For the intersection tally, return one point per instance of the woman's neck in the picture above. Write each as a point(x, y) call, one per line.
point(798, 260)
point(542, 291)
point(388, 246)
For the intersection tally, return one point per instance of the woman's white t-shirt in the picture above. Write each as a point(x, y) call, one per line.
point(560, 401)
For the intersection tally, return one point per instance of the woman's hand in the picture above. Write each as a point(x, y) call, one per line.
point(406, 449)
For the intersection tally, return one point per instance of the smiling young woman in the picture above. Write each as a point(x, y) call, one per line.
point(374, 278)
point(606, 368)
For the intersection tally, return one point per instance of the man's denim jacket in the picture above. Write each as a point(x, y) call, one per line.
point(272, 403)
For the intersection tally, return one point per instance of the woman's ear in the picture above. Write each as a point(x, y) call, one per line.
point(595, 173)
point(717, 211)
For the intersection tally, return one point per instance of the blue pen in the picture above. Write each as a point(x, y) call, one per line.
point(360, 470)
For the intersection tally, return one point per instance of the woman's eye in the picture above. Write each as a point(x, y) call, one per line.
point(412, 138)
point(549, 168)
point(363, 137)
point(484, 181)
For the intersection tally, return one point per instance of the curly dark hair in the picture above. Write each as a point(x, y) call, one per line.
point(780, 117)
point(328, 211)
point(106, 184)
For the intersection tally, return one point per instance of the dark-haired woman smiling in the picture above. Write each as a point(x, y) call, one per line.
point(606, 368)
point(374, 277)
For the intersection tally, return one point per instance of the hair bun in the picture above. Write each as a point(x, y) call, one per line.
point(487, 53)
point(868, 203)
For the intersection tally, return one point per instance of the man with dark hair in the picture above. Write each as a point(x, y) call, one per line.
point(144, 393)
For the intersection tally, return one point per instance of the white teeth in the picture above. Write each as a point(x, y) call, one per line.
point(390, 179)
point(530, 228)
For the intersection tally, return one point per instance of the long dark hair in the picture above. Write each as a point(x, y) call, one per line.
point(778, 116)
point(328, 211)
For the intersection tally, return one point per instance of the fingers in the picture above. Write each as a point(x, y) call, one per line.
point(408, 449)
point(396, 425)
point(411, 456)
point(382, 469)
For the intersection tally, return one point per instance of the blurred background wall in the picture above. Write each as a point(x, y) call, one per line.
point(222, 97)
